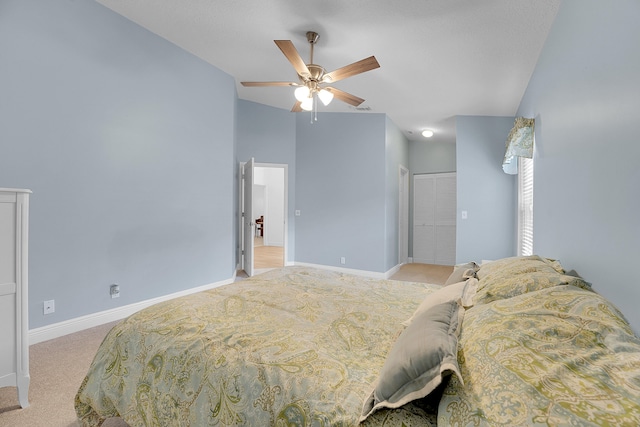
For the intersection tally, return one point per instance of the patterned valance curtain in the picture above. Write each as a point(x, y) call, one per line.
point(519, 144)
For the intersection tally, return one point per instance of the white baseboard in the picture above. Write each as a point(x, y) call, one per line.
point(392, 271)
point(364, 273)
point(77, 324)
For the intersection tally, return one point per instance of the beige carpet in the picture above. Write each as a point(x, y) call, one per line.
point(58, 366)
point(436, 274)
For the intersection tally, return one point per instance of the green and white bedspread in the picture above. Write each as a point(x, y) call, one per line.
point(291, 347)
point(544, 354)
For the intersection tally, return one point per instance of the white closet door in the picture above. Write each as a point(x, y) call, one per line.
point(424, 216)
point(434, 219)
point(446, 219)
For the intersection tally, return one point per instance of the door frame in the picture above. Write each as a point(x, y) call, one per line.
point(403, 215)
point(286, 211)
point(247, 226)
point(286, 202)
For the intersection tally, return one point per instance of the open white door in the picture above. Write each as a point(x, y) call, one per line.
point(247, 217)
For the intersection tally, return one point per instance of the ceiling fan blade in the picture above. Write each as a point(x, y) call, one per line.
point(252, 84)
point(361, 66)
point(290, 51)
point(297, 107)
point(345, 96)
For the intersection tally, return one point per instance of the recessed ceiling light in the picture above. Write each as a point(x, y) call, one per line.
point(427, 133)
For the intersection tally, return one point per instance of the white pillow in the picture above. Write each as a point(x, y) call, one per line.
point(462, 291)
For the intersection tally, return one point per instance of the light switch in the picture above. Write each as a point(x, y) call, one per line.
point(297, 212)
point(464, 214)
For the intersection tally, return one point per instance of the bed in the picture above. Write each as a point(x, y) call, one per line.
point(295, 346)
point(513, 342)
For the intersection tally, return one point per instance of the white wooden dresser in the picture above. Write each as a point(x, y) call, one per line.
point(14, 318)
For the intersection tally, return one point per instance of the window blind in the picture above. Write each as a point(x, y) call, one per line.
point(525, 206)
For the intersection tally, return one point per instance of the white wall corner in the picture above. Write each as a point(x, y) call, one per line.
point(392, 271)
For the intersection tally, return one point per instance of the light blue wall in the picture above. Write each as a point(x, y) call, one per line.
point(127, 143)
point(396, 154)
point(487, 193)
point(340, 190)
point(432, 156)
point(585, 96)
point(268, 134)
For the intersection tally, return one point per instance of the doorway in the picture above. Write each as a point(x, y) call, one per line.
point(269, 212)
point(264, 231)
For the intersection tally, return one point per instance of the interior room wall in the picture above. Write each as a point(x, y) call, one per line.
point(485, 192)
point(259, 199)
point(340, 190)
point(127, 143)
point(584, 95)
point(432, 156)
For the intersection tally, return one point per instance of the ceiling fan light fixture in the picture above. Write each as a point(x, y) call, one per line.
point(301, 93)
point(307, 104)
point(325, 96)
point(427, 133)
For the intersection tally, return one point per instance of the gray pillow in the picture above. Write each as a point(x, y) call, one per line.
point(424, 354)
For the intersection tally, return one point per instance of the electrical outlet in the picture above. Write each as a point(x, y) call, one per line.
point(343, 260)
point(49, 306)
point(114, 291)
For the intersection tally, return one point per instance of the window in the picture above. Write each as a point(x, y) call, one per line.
point(525, 206)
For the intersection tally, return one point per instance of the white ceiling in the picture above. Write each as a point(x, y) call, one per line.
point(438, 58)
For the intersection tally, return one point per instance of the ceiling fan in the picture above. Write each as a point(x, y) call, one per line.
point(313, 77)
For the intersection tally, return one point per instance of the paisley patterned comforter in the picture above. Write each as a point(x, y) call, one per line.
point(540, 348)
point(291, 347)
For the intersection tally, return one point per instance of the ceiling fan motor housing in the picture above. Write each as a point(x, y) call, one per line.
point(312, 37)
point(316, 74)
